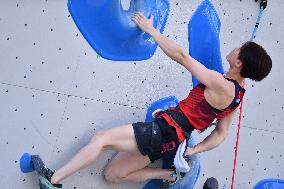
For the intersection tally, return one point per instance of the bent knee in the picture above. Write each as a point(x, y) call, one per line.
point(113, 176)
point(99, 136)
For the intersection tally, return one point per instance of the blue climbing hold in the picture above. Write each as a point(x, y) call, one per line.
point(188, 181)
point(26, 164)
point(203, 36)
point(163, 104)
point(270, 184)
point(110, 31)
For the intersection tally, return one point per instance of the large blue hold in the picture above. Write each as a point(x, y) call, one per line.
point(110, 31)
point(203, 37)
point(270, 184)
point(163, 104)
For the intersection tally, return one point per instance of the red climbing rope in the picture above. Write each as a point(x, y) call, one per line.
point(237, 142)
point(263, 4)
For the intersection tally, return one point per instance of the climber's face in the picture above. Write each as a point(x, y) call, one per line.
point(233, 58)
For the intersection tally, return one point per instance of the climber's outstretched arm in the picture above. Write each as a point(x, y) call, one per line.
point(210, 78)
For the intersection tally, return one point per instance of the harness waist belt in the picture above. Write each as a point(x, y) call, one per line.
point(181, 120)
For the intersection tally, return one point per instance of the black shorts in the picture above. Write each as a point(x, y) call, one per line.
point(156, 139)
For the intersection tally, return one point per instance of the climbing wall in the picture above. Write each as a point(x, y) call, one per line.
point(56, 92)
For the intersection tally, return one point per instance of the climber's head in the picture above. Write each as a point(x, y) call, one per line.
point(251, 61)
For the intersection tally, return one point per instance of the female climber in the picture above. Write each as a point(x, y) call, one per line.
point(217, 97)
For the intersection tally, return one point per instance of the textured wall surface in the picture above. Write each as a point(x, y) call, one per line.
point(55, 92)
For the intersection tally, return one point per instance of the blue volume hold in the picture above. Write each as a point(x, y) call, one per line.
point(110, 31)
point(270, 184)
point(203, 37)
point(163, 104)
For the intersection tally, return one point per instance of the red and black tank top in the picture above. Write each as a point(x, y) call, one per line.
point(199, 113)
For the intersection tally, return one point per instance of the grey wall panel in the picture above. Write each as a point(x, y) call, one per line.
point(260, 157)
point(56, 92)
point(32, 44)
point(29, 123)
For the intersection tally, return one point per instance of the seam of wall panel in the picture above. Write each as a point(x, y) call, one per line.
point(76, 96)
